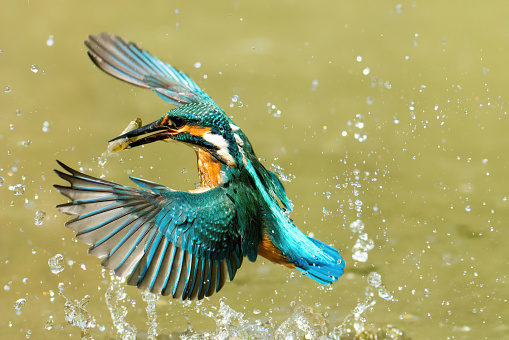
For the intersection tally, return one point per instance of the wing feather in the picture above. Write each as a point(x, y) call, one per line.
point(127, 62)
point(162, 240)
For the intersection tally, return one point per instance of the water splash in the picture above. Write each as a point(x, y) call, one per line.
point(115, 295)
point(282, 176)
point(357, 227)
point(77, 315)
point(357, 318)
point(151, 299)
point(302, 324)
point(363, 244)
point(230, 325)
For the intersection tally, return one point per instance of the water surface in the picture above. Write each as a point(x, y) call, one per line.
point(388, 114)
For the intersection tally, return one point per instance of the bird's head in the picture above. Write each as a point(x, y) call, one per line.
point(200, 125)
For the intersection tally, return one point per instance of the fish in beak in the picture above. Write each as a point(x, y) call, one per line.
point(153, 132)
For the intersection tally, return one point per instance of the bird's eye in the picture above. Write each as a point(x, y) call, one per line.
point(178, 122)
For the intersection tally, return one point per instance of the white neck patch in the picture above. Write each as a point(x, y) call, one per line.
point(222, 147)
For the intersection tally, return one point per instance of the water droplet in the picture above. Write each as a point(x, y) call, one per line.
point(314, 85)
point(366, 71)
point(427, 293)
point(19, 304)
point(18, 189)
point(374, 279)
point(56, 263)
point(7, 89)
point(26, 143)
point(45, 126)
point(1, 181)
point(468, 208)
point(256, 311)
point(359, 58)
point(34, 68)
point(384, 293)
point(416, 35)
point(235, 98)
point(366, 244)
point(50, 41)
point(274, 110)
point(357, 226)
point(49, 324)
point(39, 217)
point(399, 8)
point(197, 64)
point(360, 256)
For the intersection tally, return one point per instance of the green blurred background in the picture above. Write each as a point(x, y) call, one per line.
point(391, 112)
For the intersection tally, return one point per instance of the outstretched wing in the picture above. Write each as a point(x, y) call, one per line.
point(170, 242)
point(126, 61)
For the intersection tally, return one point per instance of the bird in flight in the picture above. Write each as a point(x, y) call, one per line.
point(186, 243)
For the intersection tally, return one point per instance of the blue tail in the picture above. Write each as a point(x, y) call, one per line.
point(127, 62)
point(326, 266)
point(310, 256)
point(313, 258)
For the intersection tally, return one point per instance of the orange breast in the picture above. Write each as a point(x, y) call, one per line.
point(209, 170)
point(268, 250)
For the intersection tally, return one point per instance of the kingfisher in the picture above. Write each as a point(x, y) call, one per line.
point(185, 244)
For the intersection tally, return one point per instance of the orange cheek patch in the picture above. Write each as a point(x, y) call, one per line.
point(195, 130)
point(268, 250)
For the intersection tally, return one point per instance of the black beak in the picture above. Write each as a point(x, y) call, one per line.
point(161, 132)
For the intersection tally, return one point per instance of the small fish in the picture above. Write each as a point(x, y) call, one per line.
point(121, 144)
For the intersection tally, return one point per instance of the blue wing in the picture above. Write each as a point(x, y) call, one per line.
point(126, 61)
point(170, 242)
